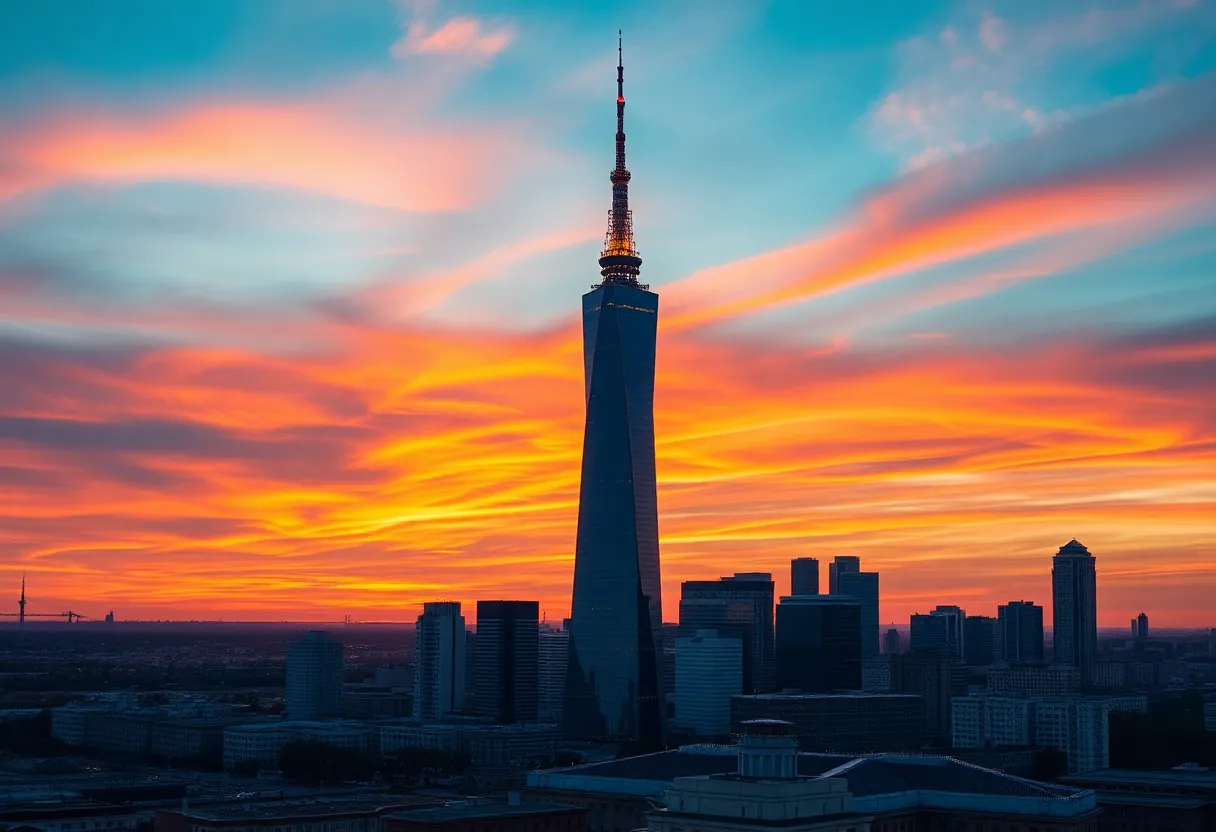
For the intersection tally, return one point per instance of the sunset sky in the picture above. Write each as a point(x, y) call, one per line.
point(289, 297)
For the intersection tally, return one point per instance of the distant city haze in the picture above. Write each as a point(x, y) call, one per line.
point(290, 322)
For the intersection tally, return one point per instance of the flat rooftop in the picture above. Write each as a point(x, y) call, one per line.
point(473, 811)
point(1171, 777)
point(319, 807)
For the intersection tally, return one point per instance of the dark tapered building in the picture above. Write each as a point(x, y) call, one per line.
point(613, 687)
point(506, 660)
point(740, 606)
point(1074, 598)
point(819, 644)
point(804, 576)
point(979, 640)
point(1020, 631)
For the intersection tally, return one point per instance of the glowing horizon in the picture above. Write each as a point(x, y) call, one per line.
point(289, 302)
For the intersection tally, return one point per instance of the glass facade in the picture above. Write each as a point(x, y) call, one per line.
point(819, 644)
point(505, 661)
point(613, 690)
point(742, 606)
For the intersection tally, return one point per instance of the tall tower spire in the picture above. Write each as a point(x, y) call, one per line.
point(21, 603)
point(619, 261)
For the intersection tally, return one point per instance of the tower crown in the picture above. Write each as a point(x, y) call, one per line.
point(619, 261)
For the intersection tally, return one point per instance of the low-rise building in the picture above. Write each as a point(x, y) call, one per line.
point(260, 742)
point(340, 814)
point(1180, 800)
point(1034, 680)
point(849, 722)
point(515, 747)
point(491, 817)
point(68, 815)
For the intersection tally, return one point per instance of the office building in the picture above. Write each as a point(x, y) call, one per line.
point(804, 576)
point(764, 783)
point(955, 635)
point(553, 652)
point(863, 588)
point(314, 677)
point(1034, 680)
point(838, 722)
point(1020, 632)
point(979, 639)
point(928, 632)
point(613, 684)
point(507, 661)
point(818, 644)
point(891, 643)
point(514, 816)
point(514, 747)
point(843, 564)
point(709, 671)
point(936, 677)
point(260, 742)
point(1140, 627)
point(439, 660)
point(1074, 598)
point(740, 606)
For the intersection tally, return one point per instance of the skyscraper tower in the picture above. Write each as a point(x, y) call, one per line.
point(1074, 600)
point(21, 603)
point(439, 660)
point(314, 677)
point(613, 689)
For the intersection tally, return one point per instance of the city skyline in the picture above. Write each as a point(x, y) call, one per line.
point(287, 325)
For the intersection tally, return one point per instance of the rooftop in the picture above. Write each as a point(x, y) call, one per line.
point(1188, 778)
point(471, 811)
point(792, 696)
point(314, 807)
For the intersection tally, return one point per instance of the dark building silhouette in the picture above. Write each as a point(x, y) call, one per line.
point(841, 565)
point(1074, 600)
point(818, 644)
point(936, 676)
point(1020, 632)
point(507, 660)
point(836, 722)
point(979, 640)
point(928, 632)
point(862, 587)
point(613, 685)
point(740, 606)
point(804, 576)
point(891, 643)
point(1140, 627)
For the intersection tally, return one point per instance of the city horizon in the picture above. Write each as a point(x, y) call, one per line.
point(292, 332)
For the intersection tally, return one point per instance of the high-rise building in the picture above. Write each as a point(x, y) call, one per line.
point(891, 642)
point(804, 576)
point(1141, 626)
point(613, 685)
point(956, 638)
point(439, 660)
point(553, 652)
point(1020, 632)
point(819, 644)
point(863, 588)
point(979, 640)
point(928, 632)
point(1074, 597)
point(506, 660)
point(709, 671)
point(741, 606)
point(314, 677)
point(841, 565)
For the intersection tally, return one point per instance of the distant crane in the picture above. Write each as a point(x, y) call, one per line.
point(21, 614)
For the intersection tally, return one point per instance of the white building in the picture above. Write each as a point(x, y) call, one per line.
point(554, 652)
point(260, 742)
point(709, 671)
point(314, 677)
point(439, 657)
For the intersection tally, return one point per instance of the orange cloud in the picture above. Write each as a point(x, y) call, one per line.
point(460, 35)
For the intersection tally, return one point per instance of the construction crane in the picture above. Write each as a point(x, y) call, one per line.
point(69, 615)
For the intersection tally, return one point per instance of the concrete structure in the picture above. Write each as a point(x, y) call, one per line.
point(1182, 799)
point(804, 576)
point(260, 742)
point(553, 652)
point(514, 747)
point(344, 814)
point(1034, 680)
point(1020, 632)
point(879, 793)
point(854, 723)
point(936, 677)
point(490, 817)
point(709, 671)
point(819, 643)
point(439, 660)
point(863, 588)
point(176, 734)
point(614, 685)
point(507, 660)
point(314, 677)
point(738, 606)
point(1075, 725)
point(980, 640)
point(1074, 597)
